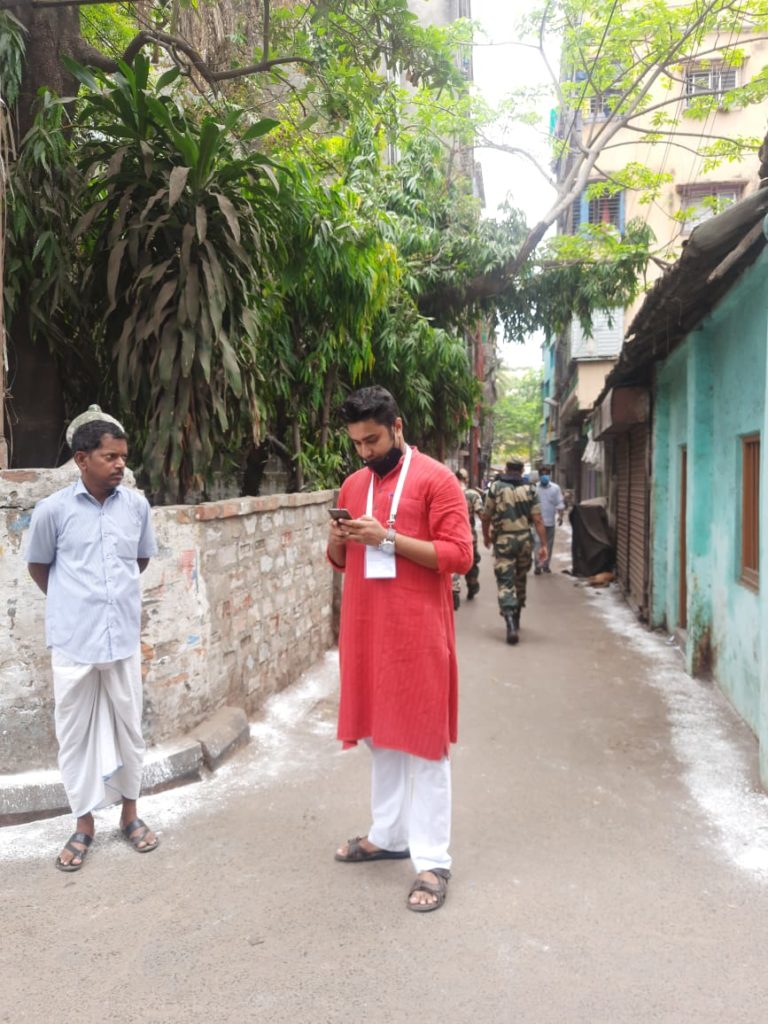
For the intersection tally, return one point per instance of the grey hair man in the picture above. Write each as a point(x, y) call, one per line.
point(86, 547)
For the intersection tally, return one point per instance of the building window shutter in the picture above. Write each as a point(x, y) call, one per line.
point(750, 511)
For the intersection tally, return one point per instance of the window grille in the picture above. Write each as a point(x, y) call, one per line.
point(750, 511)
point(602, 210)
point(693, 202)
point(717, 79)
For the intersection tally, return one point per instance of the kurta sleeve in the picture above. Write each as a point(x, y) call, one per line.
point(449, 527)
point(329, 560)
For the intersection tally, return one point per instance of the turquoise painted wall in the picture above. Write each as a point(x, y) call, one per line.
point(709, 393)
point(670, 434)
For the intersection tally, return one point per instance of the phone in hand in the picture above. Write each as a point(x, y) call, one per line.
point(339, 513)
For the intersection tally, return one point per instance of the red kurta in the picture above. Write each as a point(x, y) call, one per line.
point(397, 645)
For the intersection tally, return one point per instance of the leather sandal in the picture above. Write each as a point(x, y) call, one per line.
point(135, 832)
point(438, 889)
point(77, 837)
point(356, 853)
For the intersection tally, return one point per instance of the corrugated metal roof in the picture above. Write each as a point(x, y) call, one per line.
point(716, 254)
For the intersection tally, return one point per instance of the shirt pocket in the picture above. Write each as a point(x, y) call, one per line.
point(127, 536)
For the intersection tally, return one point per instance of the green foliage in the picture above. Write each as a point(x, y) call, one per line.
point(517, 415)
point(12, 50)
point(41, 284)
point(181, 219)
point(109, 27)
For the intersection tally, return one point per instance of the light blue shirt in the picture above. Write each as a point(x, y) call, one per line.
point(551, 498)
point(93, 609)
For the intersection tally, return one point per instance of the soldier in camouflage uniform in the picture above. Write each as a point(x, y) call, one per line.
point(511, 509)
point(474, 509)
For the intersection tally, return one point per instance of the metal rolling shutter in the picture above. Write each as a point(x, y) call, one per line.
point(622, 509)
point(637, 497)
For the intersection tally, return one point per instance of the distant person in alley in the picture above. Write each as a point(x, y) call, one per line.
point(552, 508)
point(474, 501)
point(511, 509)
point(86, 547)
point(407, 532)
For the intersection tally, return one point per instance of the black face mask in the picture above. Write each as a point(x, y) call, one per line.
point(385, 463)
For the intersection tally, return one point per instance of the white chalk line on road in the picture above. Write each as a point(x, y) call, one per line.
point(715, 768)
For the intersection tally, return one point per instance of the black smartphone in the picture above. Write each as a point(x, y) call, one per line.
point(339, 513)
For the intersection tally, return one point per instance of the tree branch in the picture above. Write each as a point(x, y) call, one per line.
point(175, 45)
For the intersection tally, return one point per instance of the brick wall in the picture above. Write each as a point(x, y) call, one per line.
point(237, 604)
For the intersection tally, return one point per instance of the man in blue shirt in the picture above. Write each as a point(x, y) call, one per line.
point(552, 508)
point(86, 547)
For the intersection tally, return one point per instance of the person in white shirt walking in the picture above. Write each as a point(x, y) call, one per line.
point(552, 508)
point(86, 547)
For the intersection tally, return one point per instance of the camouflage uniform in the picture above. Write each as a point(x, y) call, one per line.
point(510, 507)
point(474, 509)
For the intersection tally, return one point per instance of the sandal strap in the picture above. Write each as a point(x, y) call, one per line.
point(133, 827)
point(78, 837)
point(437, 888)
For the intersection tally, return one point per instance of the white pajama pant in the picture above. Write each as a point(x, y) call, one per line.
point(98, 727)
point(411, 806)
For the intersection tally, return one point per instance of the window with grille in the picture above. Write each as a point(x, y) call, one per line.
point(714, 79)
point(750, 511)
point(601, 210)
point(700, 202)
point(602, 106)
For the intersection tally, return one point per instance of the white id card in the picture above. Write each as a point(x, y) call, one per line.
point(379, 565)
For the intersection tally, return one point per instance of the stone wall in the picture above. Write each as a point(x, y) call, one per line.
point(237, 604)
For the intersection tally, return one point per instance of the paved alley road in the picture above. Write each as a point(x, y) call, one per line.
point(610, 849)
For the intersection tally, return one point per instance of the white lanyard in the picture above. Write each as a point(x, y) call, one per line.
point(398, 490)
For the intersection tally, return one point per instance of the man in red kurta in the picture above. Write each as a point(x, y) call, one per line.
point(408, 532)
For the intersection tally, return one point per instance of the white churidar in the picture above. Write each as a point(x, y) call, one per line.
point(98, 726)
point(411, 806)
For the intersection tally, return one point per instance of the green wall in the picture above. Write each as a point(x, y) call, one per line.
point(709, 393)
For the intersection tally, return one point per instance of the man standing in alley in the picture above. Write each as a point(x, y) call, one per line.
point(552, 508)
point(407, 533)
point(511, 509)
point(86, 547)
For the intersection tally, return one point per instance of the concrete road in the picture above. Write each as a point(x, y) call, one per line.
point(611, 859)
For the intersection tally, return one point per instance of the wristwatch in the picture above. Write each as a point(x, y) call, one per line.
point(388, 544)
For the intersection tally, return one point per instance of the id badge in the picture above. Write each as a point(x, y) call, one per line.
point(379, 565)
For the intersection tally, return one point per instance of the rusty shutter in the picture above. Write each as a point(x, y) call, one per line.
point(637, 578)
point(622, 509)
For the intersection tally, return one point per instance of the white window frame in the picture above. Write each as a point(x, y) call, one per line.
point(691, 198)
point(712, 78)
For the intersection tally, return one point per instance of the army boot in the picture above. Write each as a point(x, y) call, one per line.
point(513, 621)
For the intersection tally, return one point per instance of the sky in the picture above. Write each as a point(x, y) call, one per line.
point(499, 67)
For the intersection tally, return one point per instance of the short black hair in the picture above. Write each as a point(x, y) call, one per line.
point(514, 464)
point(372, 403)
point(87, 438)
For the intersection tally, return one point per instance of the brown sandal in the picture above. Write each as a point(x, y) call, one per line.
point(438, 889)
point(135, 832)
point(356, 853)
point(79, 855)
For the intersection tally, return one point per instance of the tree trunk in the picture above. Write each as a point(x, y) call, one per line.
point(34, 402)
point(35, 407)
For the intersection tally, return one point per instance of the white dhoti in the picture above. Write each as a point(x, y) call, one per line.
point(98, 727)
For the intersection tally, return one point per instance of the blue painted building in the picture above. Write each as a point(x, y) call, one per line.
point(698, 350)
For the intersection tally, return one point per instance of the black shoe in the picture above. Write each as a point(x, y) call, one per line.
point(546, 569)
point(512, 626)
point(456, 602)
point(471, 591)
point(537, 571)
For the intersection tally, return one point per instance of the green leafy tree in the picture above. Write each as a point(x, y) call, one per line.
point(517, 415)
